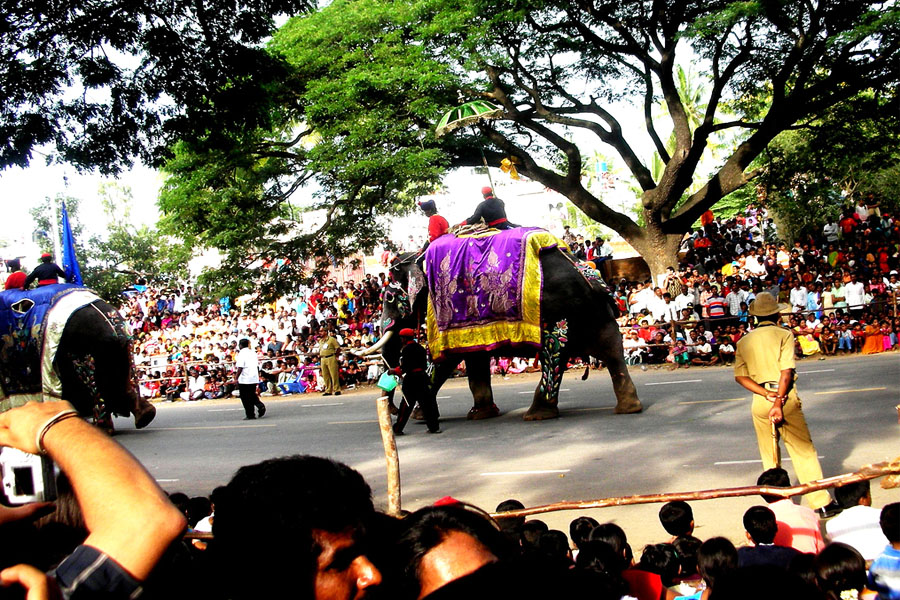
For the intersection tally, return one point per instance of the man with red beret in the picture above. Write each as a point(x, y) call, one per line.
point(46, 273)
point(413, 363)
point(492, 210)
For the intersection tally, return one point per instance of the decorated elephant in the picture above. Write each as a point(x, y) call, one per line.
point(513, 293)
point(62, 341)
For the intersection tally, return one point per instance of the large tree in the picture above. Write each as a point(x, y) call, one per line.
point(561, 66)
point(371, 77)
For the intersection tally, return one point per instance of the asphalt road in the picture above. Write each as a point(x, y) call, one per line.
point(695, 433)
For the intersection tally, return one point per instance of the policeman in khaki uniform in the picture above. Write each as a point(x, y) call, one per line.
point(764, 364)
point(328, 348)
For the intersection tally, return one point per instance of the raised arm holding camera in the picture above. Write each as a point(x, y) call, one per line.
point(129, 518)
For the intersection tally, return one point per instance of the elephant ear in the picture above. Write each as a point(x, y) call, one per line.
point(415, 282)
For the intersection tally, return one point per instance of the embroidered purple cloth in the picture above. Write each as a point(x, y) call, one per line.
point(485, 290)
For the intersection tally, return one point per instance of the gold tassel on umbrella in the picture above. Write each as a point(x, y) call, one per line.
point(508, 165)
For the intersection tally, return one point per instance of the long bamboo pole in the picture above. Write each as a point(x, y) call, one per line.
point(873, 471)
point(867, 472)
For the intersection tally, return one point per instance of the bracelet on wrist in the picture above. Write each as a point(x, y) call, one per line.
point(54, 420)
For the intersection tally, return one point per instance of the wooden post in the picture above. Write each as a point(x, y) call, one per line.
point(391, 457)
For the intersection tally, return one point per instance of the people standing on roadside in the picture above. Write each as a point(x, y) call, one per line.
point(247, 377)
point(764, 364)
point(328, 348)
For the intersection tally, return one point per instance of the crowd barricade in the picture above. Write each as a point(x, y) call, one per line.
point(888, 469)
point(186, 365)
point(730, 319)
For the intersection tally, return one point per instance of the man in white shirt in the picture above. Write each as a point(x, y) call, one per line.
point(656, 304)
point(798, 297)
point(855, 296)
point(247, 375)
point(859, 524)
point(196, 386)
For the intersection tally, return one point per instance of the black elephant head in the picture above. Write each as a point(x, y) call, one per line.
point(403, 303)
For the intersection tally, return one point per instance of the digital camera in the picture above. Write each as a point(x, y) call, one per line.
point(27, 477)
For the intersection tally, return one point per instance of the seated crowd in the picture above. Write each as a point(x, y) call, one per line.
point(302, 526)
point(839, 288)
point(186, 350)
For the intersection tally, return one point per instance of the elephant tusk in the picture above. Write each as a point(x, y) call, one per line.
point(378, 345)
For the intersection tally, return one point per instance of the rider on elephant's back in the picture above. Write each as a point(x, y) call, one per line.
point(492, 210)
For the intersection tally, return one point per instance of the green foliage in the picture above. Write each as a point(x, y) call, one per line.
point(104, 82)
point(369, 78)
point(813, 173)
point(42, 216)
point(356, 134)
point(113, 263)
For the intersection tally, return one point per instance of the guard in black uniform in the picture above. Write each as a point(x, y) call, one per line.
point(413, 362)
point(492, 210)
point(45, 273)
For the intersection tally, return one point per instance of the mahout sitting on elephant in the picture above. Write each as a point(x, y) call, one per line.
point(63, 341)
point(486, 304)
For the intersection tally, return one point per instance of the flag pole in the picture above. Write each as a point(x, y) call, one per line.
point(54, 228)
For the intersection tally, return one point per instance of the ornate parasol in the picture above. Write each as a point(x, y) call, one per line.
point(466, 114)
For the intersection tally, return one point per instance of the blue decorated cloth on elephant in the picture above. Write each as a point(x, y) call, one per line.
point(485, 290)
point(24, 351)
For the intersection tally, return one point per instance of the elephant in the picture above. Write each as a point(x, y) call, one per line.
point(578, 319)
point(92, 362)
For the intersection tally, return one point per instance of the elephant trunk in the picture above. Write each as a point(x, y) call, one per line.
point(378, 345)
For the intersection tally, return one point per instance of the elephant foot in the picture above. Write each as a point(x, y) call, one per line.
point(542, 413)
point(143, 416)
point(476, 413)
point(627, 407)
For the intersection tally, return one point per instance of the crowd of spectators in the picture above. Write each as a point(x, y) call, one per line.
point(838, 287)
point(185, 349)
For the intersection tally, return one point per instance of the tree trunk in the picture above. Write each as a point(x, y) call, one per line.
point(659, 249)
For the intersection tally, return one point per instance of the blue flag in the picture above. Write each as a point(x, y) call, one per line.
point(69, 261)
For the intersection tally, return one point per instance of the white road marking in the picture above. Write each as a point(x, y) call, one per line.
point(350, 422)
point(531, 392)
point(816, 371)
point(167, 480)
point(544, 472)
point(316, 405)
point(710, 401)
point(673, 382)
point(748, 462)
point(875, 389)
point(224, 409)
point(207, 427)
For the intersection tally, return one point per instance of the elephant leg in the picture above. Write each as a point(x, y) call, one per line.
point(613, 355)
point(554, 356)
point(80, 387)
point(478, 370)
